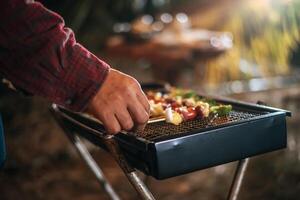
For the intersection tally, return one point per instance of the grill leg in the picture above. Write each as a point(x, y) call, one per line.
point(91, 163)
point(130, 172)
point(237, 179)
point(139, 186)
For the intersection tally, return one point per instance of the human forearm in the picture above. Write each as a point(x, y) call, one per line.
point(41, 56)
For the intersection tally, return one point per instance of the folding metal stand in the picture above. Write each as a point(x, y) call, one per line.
point(129, 171)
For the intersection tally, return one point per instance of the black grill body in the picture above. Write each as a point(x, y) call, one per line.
point(164, 150)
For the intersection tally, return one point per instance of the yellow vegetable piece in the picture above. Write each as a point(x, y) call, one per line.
point(204, 107)
point(156, 110)
point(177, 119)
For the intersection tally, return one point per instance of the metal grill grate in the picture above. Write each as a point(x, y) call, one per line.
point(161, 129)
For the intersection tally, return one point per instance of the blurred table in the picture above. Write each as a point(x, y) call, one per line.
point(167, 60)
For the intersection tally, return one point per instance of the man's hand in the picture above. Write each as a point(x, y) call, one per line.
point(120, 104)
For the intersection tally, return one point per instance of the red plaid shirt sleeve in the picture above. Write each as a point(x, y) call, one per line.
point(40, 55)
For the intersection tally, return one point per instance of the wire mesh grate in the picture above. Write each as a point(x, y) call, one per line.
point(161, 129)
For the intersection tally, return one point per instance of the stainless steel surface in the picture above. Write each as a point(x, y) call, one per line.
point(237, 179)
point(91, 163)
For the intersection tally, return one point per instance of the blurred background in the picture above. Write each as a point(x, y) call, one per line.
point(247, 50)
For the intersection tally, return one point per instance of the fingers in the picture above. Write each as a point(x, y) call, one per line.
point(111, 124)
point(138, 113)
point(120, 103)
point(142, 98)
point(144, 101)
point(124, 119)
point(139, 127)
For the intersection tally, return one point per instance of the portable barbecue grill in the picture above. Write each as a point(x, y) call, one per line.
point(165, 150)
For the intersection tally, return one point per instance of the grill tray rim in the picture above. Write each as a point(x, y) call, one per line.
point(262, 111)
point(203, 130)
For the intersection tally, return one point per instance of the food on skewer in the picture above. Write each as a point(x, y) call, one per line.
point(183, 105)
point(221, 109)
